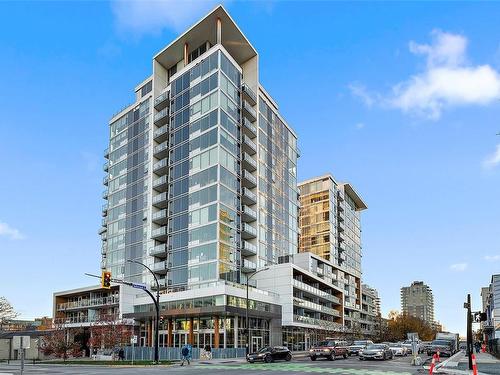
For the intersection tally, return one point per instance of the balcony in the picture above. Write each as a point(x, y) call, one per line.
point(340, 196)
point(161, 282)
point(342, 246)
point(162, 101)
point(248, 214)
point(248, 249)
point(248, 197)
point(249, 145)
point(299, 302)
point(161, 167)
point(249, 163)
point(160, 151)
point(88, 302)
point(248, 266)
point(161, 134)
point(105, 180)
point(321, 323)
point(249, 112)
point(248, 128)
point(315, 291)
point(341, 226)
point(105, 194)
point(248, 232)
point(104, 209)
point(249, 94)
point(161, 118)
point(105, 166)
point(161, 184)
point(160, 217)
point(248, 179)
point(159, 251)
point(159, 234)
point(106, 153)
point(160, 268)
point(160, 200)
point(102, 230)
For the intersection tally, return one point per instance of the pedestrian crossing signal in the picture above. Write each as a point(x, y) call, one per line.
point(106, 280)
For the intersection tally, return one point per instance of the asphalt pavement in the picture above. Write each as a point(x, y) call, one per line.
point(300, 365)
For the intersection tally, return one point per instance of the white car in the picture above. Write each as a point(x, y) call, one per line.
point(398, 350)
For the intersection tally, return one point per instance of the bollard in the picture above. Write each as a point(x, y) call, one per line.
point(474, 365)
point(433, 363)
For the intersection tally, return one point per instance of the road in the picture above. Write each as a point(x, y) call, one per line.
point(299, 366)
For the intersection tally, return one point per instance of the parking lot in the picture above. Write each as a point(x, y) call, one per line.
point(300, 364)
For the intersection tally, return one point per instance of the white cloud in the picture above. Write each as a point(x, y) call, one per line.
point(362, 93)
point(493, 160)
point(9, 232)
point(459, 267)
point(152, 16)
point(492, 258)
point(360, 125)
point(448, 80)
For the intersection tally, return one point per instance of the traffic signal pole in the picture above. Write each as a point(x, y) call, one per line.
point(470, 348)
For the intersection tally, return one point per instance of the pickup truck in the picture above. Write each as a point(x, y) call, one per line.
point(329, 349)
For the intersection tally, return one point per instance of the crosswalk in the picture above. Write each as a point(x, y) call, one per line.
point(297, 367)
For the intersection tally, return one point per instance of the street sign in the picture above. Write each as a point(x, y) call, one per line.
point(20, 342)
point(133, 339)
point(479, 317)
point(139, 286)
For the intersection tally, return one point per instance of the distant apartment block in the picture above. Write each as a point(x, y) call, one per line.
point(417, 300)
point(330, 227)
point(370, 316)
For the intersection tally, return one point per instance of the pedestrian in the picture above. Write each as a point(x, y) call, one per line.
point(121, 354)
point(185, 355)
point(477, 344)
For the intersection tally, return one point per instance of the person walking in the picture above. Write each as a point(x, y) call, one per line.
point(186, 354)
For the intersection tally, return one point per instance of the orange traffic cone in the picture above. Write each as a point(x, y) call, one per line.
point(433, 363)
point(474, 365)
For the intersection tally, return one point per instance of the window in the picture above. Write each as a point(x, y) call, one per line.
point(203, 215)
point(205, 105)
point(203, 160)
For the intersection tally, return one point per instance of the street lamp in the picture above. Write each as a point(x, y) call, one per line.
point(248, 325)
point(157, 306)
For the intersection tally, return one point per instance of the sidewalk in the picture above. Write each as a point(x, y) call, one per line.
point(459, 364)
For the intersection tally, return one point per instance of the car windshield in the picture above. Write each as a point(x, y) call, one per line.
point(376, 346)
point(359, 343)
point(326, 343)
point(265, 349)
point(441, 342)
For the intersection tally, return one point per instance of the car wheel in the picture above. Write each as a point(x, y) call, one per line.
point(345, 356)
point(331, 357)
point(268, 359)
point(361, 358)
point(288, 357)
point(384, 357)
point(250, 361)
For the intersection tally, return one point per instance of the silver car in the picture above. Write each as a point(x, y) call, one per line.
point(376, 351)
point(398, 350)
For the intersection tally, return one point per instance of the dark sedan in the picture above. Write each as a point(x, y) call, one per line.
point(269, 354)
point(376, 351)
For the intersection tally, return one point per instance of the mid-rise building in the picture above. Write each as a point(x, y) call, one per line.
point(370, 317)
point(330, 227)
point(417, 300)
point(491, 306)
point(201, 186)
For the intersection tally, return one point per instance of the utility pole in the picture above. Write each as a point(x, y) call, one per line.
point(470, 349)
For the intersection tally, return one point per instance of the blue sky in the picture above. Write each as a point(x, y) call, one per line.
point(400, 99)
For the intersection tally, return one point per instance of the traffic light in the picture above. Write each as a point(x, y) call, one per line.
point(106, 280)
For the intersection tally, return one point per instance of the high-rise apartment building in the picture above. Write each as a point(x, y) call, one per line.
point(329, 222)
point(417, 301)
point(201, 184)
point(491, 306)
point(370, 317)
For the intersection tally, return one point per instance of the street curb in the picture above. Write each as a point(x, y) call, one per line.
point(444, 363)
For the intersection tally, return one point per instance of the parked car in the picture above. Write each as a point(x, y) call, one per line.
point(398, 349)
point(409, 346)
point(329, 349)
point(376, 351)
point(357, 346)
point(270, 354)
point(444, 347)
point(425, 345)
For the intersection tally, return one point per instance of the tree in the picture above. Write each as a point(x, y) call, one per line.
point(399, 325)
point(7, 312)
point(58, 344)
point(108, 333)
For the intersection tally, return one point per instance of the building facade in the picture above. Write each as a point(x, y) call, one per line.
point(417, 300)
point(370, 316)
point(329, 221)
point(200, 183)
point(491, 306)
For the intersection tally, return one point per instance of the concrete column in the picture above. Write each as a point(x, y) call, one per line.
point(190, 336)
point(216, 332)
point(186, 53)
point(170, 340)
point(236, 331)
point(219, 31)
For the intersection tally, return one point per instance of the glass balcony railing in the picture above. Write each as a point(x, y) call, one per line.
point(249, 93)
point(160, 200)
point(249, 179)
point(248, 231)
point(162, 117)
point(159, 232)
point(250, 162)
point(249, 128)
point(111, 300)
point(160, 167)
point(162, 100)
point(314, 306)
point(249, 145)
point(160, 267)
point(248, 111)
point(248, 266)
point(248, 249)
point(249, 196)
point(248, 214)
point(161, 133)
point(159, 250)
point(318, 292)
point(161, 150)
